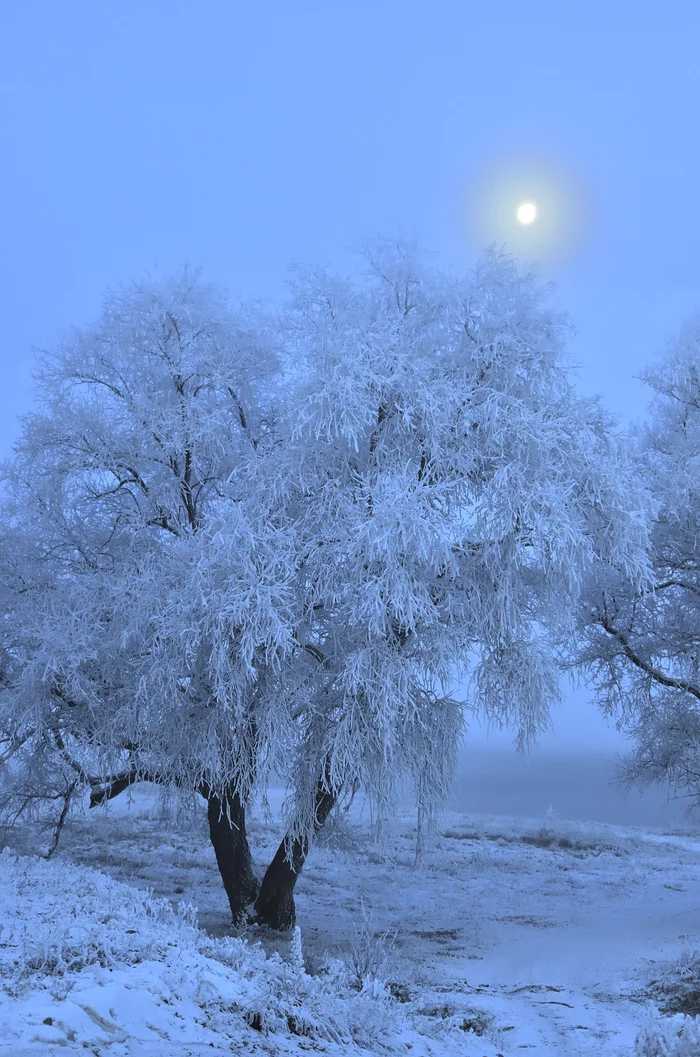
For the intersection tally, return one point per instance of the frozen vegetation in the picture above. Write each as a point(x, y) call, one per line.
point(509, 936)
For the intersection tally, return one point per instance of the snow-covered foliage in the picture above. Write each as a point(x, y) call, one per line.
point(86, 962)
point(369, 949)
point(215, 566)
point(677, 1036)
point(450, 492)
point(131, 564)
point(642, 647)
point(58, 919)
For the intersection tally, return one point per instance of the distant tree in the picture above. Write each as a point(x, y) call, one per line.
point(640, 645)
point(219, 564)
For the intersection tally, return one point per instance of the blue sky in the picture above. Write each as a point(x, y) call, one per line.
point(141, 134)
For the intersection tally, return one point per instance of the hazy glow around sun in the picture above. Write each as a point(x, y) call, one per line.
point(537, 208)
point(527, 212)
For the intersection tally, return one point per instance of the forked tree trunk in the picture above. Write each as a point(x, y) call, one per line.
point(275, 906)
point(226, 815)
point(227, 831)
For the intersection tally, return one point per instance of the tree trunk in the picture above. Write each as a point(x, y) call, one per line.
point(228, 836)
point(275, 906)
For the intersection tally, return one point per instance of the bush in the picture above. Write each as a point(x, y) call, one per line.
point(369, 952)
point(677, 1036)
point(59, 918)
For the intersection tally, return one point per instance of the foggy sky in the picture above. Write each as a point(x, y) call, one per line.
point(140, 135)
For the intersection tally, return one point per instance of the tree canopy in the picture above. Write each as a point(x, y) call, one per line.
point(240, 543)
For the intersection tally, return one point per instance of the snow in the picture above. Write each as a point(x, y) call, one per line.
point(510, 936)
point(88, 962)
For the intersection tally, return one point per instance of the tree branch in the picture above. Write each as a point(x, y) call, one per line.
point(108, 789)
point(654, 673)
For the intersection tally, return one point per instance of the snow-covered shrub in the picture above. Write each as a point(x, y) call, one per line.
point(676, 988)
point(677, 1036)
point(58, 918)
point(369, 951)
point(296, 952)
point(65, 929)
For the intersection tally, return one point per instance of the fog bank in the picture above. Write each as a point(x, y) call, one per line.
point(578, 784)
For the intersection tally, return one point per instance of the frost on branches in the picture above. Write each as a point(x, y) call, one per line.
point(642, 647)
point(241, 546)
point(139, 584)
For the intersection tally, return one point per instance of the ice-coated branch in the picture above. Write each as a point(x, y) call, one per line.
point(655, 673)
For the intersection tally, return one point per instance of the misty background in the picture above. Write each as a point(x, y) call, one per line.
point(244, 137)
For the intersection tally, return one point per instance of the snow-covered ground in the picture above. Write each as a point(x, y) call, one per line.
point(510, 936)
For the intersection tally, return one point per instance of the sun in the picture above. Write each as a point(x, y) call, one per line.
point(527, 212)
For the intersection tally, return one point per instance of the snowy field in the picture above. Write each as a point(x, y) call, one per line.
point(511, 936)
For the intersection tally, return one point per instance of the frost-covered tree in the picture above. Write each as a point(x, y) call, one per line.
point(142, 595)
point(450, 492)
point(641, 648)
point(214, 568)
